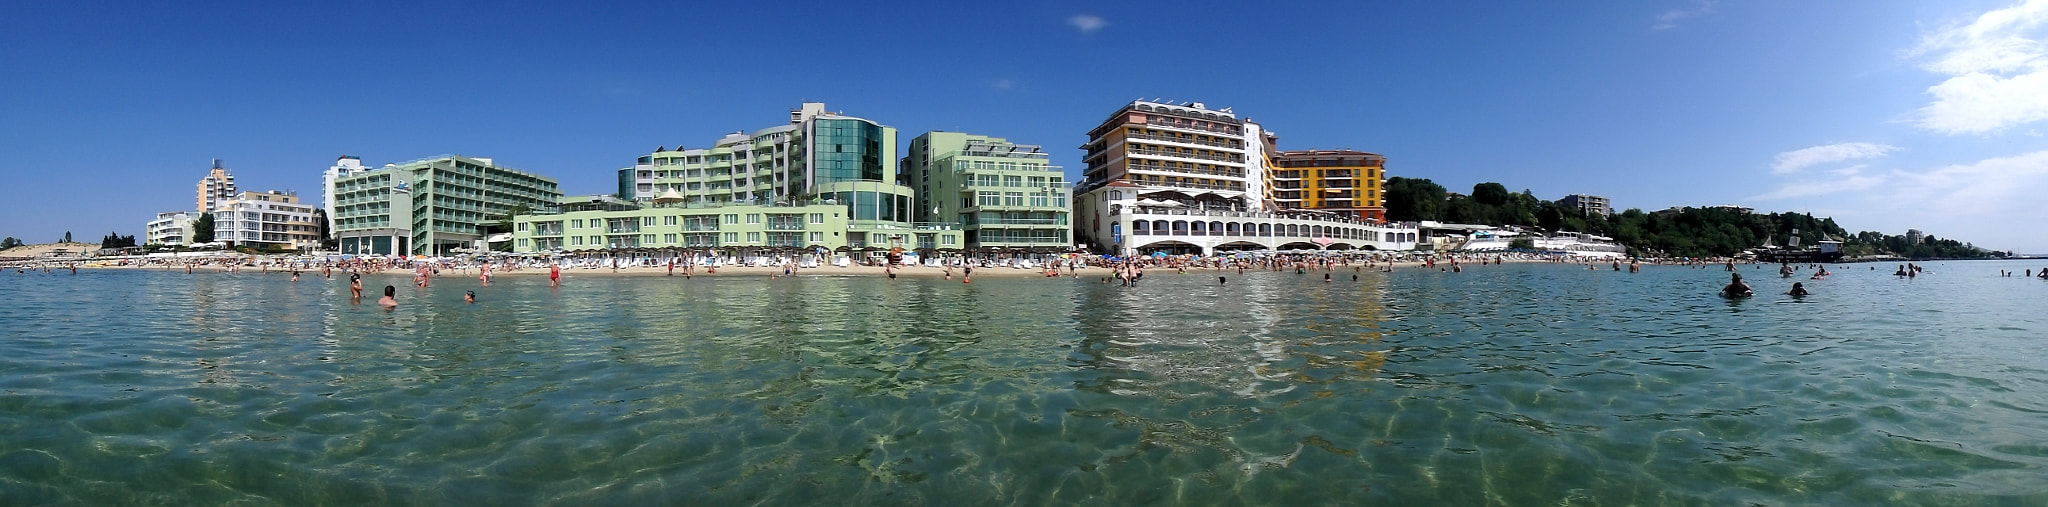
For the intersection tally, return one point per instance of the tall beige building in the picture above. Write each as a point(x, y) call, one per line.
point(216, 188)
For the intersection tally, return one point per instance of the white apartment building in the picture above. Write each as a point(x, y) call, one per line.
point(266, 219)
point(172, 228)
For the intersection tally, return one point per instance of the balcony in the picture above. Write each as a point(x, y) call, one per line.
point(1171, 139)
point(1196, 156)
point(1236, 173)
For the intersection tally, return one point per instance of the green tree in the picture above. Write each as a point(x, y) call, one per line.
point(327, 241)
point(67, 236)
point(202, 229)
point(116, 240)
point(1414, 199)
point(1490, 193)
point(9, 242)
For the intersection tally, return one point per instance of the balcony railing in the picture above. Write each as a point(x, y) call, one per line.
point(1196, 156)
point(1183, 170)
point(1171, 139)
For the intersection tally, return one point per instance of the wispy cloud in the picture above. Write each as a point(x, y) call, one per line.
point(1669, 19)
point(1998, 71)
point(1985, 200)
point(1848, 179)
point(1997, 190)
point(1002, 84)
point(1087, 22)
point(1793, 161)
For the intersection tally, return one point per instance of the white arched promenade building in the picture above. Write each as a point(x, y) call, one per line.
point(1133, 221)
point(1182, 178)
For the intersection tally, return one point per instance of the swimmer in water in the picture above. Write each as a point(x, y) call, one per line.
point(1797, 290)
point(1736, 288)
point(390, 297)
point(469, 296)
point(355, 287)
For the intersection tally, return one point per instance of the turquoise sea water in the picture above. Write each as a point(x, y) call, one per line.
point(1521, 385)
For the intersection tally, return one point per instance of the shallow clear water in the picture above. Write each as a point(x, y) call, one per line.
point(1534, 384)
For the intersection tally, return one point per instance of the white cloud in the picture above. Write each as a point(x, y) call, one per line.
point(1849, 179)
point(1992, 202)
point(1997, 189)
point(1793, 161)
point(1088, 22)
point(1998, 71)
point(1669, 19)
point(1002, 84)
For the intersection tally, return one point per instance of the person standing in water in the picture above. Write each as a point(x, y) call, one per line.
point(555, 275)
point(1736, 288)
point(355, 288)
point(390, 298)
point(1797, 290)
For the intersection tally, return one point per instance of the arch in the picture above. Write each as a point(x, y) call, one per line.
point(1170, 247)
point(1230, 229)
point(1160, 227)
point(1340, 246)
point(1215, 228)
point(1369, 247)
point(1141, 227)
point(1238, 246)
point(1116, 195)
point(1265, 229)
point(1180, 227)
point(1299, 245)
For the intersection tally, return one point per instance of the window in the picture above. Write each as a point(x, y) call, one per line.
point(1013, 198)
point(576, 241)
point(753, 237)
point(732, 237)
point(647, 222)
point(817, 237)
point(647, 238)
point(597, 240)
point(987, 180)
point(576, 224)
point(946, 240)
point(817, 218)
point(668, 238)
point(669, 221)
point(522, 227)
point(1116, 195)
point(732, 218)
point(1059, 201)
point(1013, 181)
point(522, 242)
point(753, 218)
point(1038, 200)
point(989, 199)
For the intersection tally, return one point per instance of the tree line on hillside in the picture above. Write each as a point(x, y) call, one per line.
point(1686, 232)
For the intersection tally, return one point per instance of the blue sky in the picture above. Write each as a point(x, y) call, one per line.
point(1883, 114)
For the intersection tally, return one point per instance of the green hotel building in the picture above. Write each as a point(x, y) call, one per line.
point(429, 206)
point(735, 228)
point(734, 189)
point(1004, 196)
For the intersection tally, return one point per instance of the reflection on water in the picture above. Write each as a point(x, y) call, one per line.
point(1510, 384)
